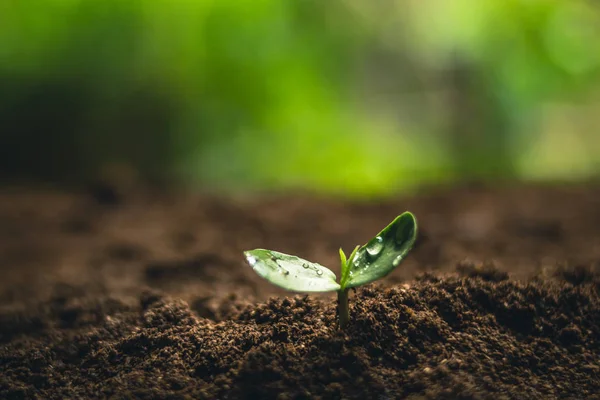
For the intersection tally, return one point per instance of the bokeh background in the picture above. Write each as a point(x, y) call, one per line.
point(350, 97)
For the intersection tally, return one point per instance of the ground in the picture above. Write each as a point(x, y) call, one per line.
point(106, 293)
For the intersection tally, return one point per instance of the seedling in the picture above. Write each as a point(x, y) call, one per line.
point(366, 264)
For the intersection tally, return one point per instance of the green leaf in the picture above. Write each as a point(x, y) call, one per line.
point(354, 252)
point(345, 265)
point(343, 260)
point(291, 272)
point(383, 253)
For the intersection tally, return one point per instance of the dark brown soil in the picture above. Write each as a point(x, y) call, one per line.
point(106, 294)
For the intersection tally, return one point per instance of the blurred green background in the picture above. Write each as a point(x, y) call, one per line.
point(343, 96)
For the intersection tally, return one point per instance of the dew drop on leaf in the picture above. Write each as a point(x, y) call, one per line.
point(251, 260)
point(319, 272)
point(375, 246)
point(397, 260)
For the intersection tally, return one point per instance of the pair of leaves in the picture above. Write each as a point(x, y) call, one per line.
point(366, 264)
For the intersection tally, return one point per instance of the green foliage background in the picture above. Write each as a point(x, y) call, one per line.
point(342, 96)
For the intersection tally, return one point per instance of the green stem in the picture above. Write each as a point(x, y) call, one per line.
point(343, 310)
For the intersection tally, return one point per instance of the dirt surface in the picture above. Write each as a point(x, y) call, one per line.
point(112, 295)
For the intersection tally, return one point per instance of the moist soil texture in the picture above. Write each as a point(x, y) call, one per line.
point(111, 294)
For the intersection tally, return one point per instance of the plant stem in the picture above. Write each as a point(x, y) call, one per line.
point(343, 310)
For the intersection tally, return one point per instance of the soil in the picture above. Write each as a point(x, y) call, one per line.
point(108, 294)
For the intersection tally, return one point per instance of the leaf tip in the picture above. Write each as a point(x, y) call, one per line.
point(343, 256)
point(250, 258)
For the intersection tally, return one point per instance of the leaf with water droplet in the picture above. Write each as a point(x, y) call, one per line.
point(291, 272)
point(383, 253)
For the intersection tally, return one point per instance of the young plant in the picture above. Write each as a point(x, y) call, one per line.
point(366, 264)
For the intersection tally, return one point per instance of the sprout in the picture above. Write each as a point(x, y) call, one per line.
point(366, 264)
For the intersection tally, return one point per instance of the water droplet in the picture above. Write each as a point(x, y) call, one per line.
point(375, 246)
point(397, 261)
point(356, 263)
point(351, 273)
point(251, 260)
point(285, 271)
point(319, 272)
point(305, 266)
